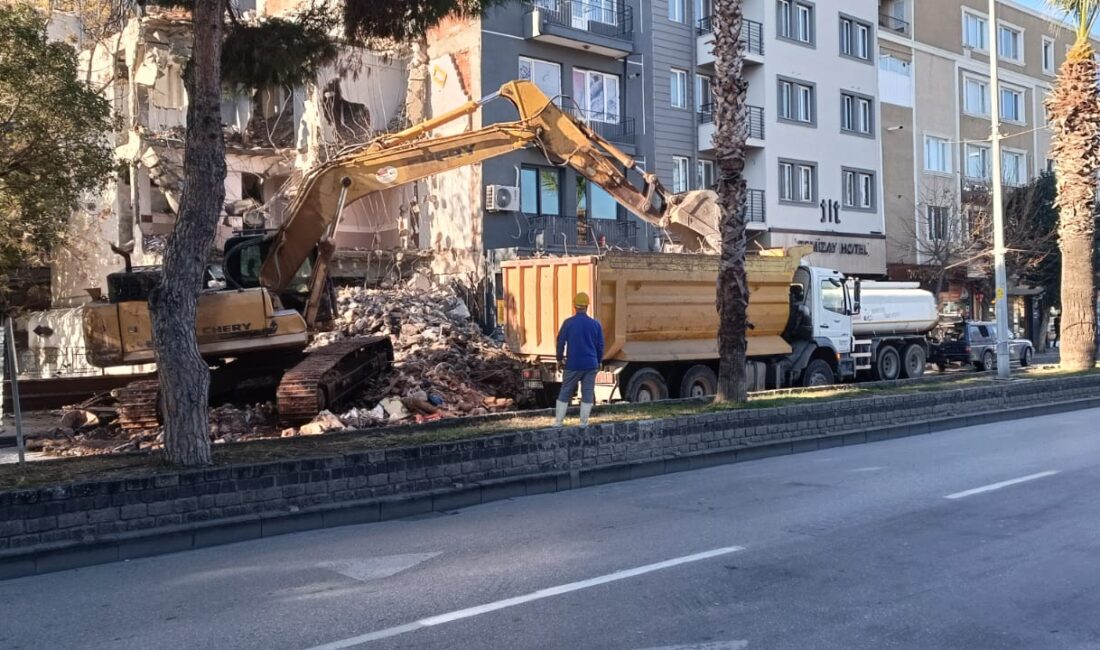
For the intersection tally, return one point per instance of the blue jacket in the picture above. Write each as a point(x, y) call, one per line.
point(583, 337)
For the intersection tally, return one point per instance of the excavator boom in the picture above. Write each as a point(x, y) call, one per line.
point(412, 155)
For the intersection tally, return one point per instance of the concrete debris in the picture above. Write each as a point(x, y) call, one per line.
point(323, 423)
point(79, 419)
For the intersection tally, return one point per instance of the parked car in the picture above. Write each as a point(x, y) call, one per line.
point(973, 342)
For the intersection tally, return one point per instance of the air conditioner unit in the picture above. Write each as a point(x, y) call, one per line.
point(501, 198)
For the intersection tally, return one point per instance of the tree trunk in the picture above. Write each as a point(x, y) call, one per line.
point(1074, 107)
point(1077, 340)
point(731, 131)
point(184, 376)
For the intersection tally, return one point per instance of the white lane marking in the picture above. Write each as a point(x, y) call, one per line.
point(1002, 484)
point(714, 645)
point(867, 469)
point(519, 600)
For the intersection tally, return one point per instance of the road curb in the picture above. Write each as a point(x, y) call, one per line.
point(171, 539)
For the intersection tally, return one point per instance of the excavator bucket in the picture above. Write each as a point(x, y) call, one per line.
point(692, 218)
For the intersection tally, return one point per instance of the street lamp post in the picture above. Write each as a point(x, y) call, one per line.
point(1000, 275)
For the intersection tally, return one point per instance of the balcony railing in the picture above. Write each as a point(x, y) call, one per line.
point(568, 232)
point(612, 18)
point(894, 24)
point(620, 132)
point(756, 119)
point(752, 34)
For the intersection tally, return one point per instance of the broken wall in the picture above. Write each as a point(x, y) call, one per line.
point(453, 208)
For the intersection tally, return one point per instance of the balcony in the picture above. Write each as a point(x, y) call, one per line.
point(893, 24)
point(567, 233)
point(754, 140)
point(602, 26)
point(620, 131)
point(754, 210)
point(752, 37)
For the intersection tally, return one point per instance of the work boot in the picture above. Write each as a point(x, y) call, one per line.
point(586, 410)
point(559, 413)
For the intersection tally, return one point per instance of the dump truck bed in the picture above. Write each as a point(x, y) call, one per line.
point(653, 306)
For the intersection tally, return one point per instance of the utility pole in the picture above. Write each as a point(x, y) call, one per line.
point(1000, 274)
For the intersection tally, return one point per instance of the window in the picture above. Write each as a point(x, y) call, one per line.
point(679, 174)
point(832, 296)
point(540, 191)
point(976, 97)
point(937, 222)
point(937, 155)
point(1010, 43)
point(580, 13)
point(975, 30)
point(795, 21)
point(859, 189)
point(855, 38)
point(546, 75)
point(678, 88)
point(1048, 56)
point(594, 202)
point(1014, 168)
point(704, 94)
point(597, 95)
point(677, 11)
point(856, 114)
point(894, 81)
point(704, 171)
point(1012, 105)
point(1050, 165)
point(796, 102)
point(797, 182)
point(977, 162)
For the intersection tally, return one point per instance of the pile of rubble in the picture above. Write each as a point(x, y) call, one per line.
point(444, 366)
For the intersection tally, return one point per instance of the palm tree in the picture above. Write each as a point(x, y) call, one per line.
point(1074, 109)
point(729, 140)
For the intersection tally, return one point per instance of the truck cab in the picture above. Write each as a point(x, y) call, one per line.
point(820, 326)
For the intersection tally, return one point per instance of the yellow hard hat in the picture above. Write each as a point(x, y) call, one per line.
point(581, 299)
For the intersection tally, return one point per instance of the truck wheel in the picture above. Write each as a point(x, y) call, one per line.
point(1025, 360)
point(646, 385)
point(698, 381)
point(914, 362)
point(989, 361)
point(888, 365)
point(818, 373)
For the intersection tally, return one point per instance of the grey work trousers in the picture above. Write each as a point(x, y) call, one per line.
point(587, 380)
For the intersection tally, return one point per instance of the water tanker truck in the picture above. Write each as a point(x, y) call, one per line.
point(810, 326)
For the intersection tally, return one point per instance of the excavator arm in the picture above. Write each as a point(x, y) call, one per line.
point(409, 156)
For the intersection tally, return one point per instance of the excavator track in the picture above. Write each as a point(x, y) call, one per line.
point(137, 406)
point(329, 375)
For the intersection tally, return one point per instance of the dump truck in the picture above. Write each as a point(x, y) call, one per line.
point(809, 326)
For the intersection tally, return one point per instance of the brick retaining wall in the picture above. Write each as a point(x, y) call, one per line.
point(197, 507)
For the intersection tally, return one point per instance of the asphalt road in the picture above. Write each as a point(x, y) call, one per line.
point(987, 537)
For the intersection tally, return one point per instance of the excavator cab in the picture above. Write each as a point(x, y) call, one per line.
point(244, 257)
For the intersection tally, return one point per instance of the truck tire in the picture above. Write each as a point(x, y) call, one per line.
point(698, 381)
point(888, 365)
point(646, 385)
point(914, 361)
point(818, 373)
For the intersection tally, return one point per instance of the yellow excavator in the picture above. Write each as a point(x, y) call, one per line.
point(257, 327)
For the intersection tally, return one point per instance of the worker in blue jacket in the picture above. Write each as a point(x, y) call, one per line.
point(580, 350)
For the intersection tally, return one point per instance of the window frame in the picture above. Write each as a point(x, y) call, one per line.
point(943, 143)
point(787, 111)
point(796, 169)
point(584, 103)
point(685, 171)
point(1048, 46)
point(986, 110)
point(701, 176)
point(987, 169)
point(536, 61)
point(789, 28)
point(682, 75)
point(932, 232)
point(854, 24)
point(1020, 57)
point(857, 101)
point(865, 188)
point(1020, 104)
point(983, 33)
point(701, 80)
point(539, 170)
point(672, 5)
point(1022, 176)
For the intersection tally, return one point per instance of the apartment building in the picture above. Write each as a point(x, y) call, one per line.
point(935, 95)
